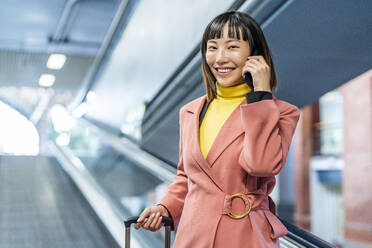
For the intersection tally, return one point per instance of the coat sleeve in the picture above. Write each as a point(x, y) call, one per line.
point(176, 193)
point(269, 129)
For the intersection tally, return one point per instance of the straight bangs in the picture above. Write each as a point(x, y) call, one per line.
point(236, 29)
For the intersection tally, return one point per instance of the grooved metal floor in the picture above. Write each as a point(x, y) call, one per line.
point(41, 207)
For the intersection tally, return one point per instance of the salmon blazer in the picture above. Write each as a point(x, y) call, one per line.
point(250, 149)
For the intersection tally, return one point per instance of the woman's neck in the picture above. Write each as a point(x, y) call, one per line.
point(233, 92)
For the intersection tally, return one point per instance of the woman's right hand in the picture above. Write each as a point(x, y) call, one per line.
point(150, 218)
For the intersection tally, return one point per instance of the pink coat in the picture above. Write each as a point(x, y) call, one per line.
point(249, 150)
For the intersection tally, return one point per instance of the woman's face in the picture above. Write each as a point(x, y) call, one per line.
point(226, 58)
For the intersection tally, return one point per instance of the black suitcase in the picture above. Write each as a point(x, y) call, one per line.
point(168, 223)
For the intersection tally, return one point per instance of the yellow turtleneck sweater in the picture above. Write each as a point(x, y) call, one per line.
point(228, 98)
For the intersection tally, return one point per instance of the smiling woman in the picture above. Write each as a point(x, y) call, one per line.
point(233, 141)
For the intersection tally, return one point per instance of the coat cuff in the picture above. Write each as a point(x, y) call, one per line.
point(174, 211)
point(169, 214)
point(257, 96)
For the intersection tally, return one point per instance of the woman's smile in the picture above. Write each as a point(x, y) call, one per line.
point(224, 71)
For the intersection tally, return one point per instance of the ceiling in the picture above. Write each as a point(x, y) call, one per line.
point(32, 30)
point(23, 69)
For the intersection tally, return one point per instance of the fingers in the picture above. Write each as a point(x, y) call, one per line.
point(258, 61)
point(259, 58)
point(154, 226)
point(150, 219)
point(144, 214)
point(141, 219)
point(254, 65)
point(139, 224)
point(248, 68)
point(151, 224)
point(159, 223)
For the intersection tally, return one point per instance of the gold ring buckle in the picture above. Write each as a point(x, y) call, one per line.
point(240, 195)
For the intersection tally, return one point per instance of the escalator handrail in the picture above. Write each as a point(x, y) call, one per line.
point(304, 237)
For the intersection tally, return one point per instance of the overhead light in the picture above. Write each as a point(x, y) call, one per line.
point(56, 61)
point(47, 80)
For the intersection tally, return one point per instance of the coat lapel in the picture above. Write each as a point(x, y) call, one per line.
point(230, 130)
point(194, 109)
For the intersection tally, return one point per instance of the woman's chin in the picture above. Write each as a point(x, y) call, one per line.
point(229, 84)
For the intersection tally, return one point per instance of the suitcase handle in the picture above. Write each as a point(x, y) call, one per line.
point(168, 223)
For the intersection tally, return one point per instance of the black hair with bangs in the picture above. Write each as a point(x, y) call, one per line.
point(241, 26)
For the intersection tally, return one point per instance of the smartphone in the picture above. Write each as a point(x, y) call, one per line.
point(247, 76)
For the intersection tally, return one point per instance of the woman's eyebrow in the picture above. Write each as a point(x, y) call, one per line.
point(232, 40)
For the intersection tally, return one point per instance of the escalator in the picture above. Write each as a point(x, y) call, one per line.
point(41, 207)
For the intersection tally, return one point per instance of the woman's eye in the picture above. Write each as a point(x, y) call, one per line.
point(212, 48)
point(231, 47)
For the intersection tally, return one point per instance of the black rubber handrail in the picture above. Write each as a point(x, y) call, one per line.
point(304, 237)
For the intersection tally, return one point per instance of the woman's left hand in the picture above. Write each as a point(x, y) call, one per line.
point(260, 71)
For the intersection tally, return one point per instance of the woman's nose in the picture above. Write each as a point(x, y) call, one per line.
point(221, 56)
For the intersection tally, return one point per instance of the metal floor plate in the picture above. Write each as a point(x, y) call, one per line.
point(41, 207)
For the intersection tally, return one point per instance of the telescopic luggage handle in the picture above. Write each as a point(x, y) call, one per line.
point(168, 223)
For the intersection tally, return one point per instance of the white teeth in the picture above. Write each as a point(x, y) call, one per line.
point(224, 70)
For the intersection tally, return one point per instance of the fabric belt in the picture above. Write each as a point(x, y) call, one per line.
point(252, 202)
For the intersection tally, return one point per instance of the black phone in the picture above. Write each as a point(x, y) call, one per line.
point(247, 76)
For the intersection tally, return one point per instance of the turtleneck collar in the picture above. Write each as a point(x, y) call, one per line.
point(233, 92)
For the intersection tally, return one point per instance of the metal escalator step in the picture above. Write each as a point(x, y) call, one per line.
point(41, 207)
